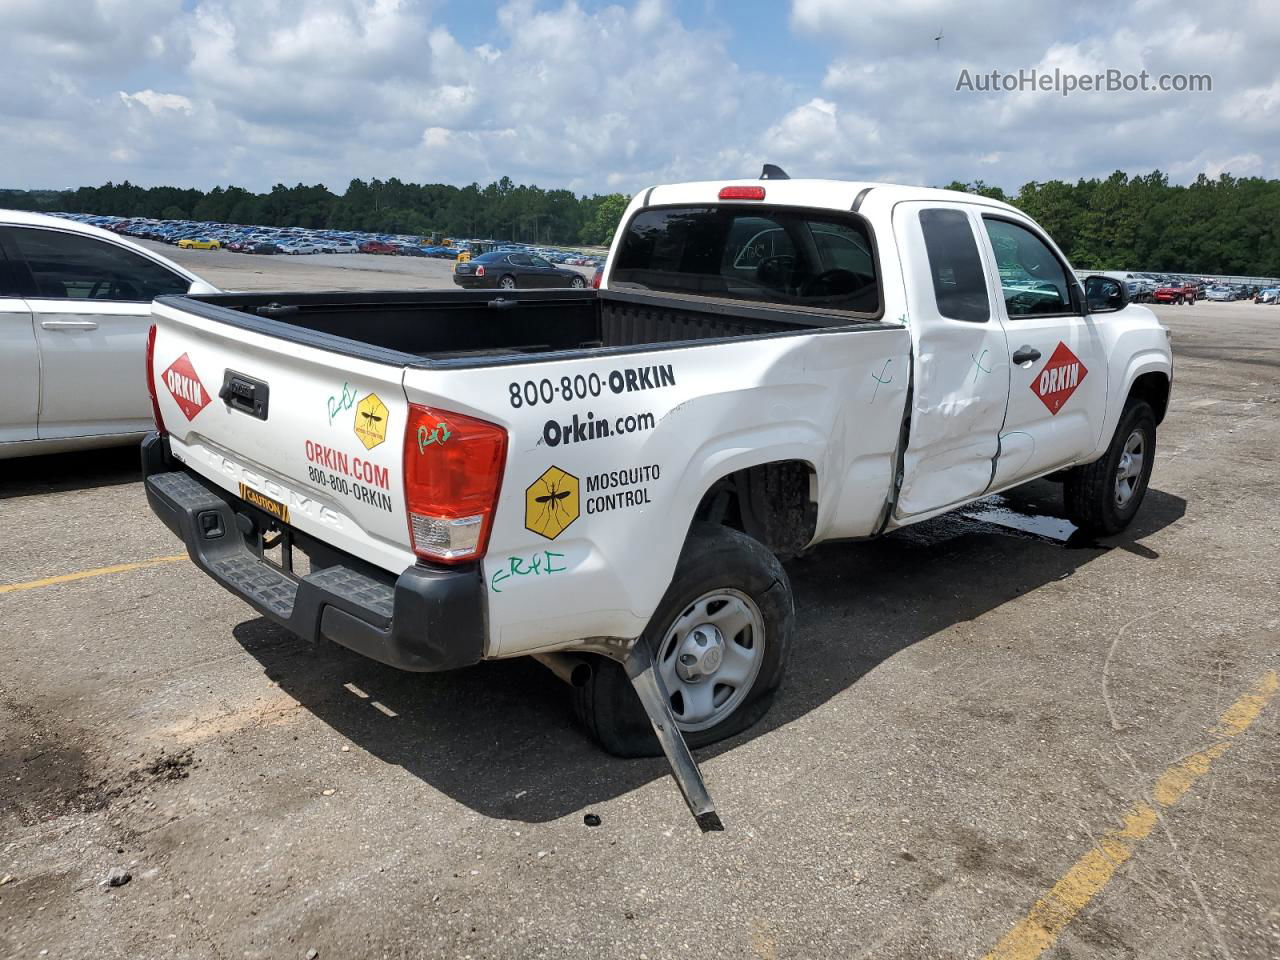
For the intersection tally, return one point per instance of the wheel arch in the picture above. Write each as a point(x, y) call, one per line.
point(1154, 387)
point(774, 502)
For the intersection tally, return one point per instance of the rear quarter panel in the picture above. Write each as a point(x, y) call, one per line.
point(609, 457)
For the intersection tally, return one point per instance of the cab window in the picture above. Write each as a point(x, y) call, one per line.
point(780, 256)
point(959, 285)
point(1034, 281)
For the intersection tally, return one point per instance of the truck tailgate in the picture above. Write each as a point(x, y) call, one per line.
point(313, 437)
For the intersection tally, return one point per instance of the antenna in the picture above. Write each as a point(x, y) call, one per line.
point(773, 172)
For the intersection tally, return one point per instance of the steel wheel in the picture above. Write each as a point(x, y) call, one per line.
point(1129, 469)
point(711, 656)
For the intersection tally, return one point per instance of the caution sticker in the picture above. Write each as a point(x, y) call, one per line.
point(274, 507)
point(371, 421)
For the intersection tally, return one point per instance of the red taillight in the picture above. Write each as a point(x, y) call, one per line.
point(151, 379)
point(480, 270)
point(742, 193)
point(452, 476)
point(595, 280)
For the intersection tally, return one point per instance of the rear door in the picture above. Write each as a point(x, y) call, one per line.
point(1058, 378)
point(546, 274)
point(91, 304)
point(521, 266)
point(961, 361)
point(319, 432)
point(19, 362)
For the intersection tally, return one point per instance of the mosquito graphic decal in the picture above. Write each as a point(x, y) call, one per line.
point(371, 421)
point(551, 503)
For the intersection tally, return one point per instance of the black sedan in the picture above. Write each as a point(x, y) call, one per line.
point(508, 271)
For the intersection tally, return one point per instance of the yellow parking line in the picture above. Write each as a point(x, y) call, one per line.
point(1038, 930)
point(86, 574)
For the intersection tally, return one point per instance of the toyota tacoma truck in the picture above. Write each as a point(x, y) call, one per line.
point(607, 479)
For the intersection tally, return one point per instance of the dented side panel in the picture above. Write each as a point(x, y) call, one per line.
point(609, 457)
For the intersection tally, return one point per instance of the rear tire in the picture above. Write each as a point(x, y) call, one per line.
point(1103, 497)
point(721, 573)
point(507, 283)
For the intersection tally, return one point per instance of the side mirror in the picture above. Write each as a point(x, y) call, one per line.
point(1105, 294)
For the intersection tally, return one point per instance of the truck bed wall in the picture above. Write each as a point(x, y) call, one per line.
point(451, 325)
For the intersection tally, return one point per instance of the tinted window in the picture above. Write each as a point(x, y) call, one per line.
point(518, 260)
point(768, 255)
point(70, 266)
point(8, 283)
point(1033, 280)
point(539, 262)
point(959, 285)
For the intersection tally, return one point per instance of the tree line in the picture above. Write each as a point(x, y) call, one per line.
point(501, 210)
point(1227, 225)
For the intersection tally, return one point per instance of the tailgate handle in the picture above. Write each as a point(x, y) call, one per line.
point(246, 394)
point(502, 303)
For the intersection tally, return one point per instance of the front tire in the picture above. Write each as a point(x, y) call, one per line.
point(720, 639)
point(577, 283)
point(1103, 497)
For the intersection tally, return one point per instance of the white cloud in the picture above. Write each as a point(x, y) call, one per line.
point(157, 102)
point(195, 92)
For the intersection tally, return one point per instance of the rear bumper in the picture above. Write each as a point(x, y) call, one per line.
point(470, 281)
point(427, 619)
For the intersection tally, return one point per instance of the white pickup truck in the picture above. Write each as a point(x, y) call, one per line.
point(606, 480)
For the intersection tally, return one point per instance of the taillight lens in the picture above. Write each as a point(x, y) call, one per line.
point(480, 270)
point(452, 476)
point(151, 379)
point(595, 279)
point(742, 193)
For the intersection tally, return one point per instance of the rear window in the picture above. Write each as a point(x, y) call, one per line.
point(783, 256)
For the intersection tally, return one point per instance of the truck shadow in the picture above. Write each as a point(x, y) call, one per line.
point(59, 472)
point(500, 737)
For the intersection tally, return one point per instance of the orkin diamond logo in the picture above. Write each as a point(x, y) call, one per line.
point(1059, 379)
point(186, 387)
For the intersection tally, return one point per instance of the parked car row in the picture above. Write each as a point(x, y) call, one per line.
point(1182, 288)
point(199, 235)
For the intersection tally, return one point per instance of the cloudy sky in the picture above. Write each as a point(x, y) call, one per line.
point(599, 96)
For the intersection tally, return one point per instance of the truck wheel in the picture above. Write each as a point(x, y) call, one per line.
point(720, 640)
point(1104, 496)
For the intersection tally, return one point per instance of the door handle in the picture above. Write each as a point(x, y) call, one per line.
point(69, 324)
point(1026, 354)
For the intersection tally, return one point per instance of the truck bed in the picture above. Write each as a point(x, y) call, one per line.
point(484, 327)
